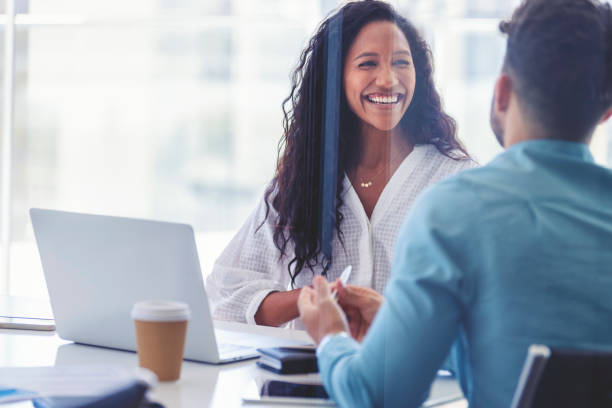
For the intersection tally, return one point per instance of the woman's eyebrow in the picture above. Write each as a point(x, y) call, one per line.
point(405, 52)
point(375, 54)
point(366, 54)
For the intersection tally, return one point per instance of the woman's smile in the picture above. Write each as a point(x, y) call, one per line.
point(390, 100)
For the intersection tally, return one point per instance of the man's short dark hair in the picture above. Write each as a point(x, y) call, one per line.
point(559, 56)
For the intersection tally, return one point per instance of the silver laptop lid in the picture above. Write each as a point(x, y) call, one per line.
point(97, 267)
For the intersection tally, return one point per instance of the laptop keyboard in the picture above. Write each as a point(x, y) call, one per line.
point(228, 348)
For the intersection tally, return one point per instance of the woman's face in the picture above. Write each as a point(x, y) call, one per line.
point(379, 76)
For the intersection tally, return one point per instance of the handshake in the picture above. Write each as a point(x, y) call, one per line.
point(350, 309)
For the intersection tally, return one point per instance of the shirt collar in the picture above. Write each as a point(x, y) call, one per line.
point(571, 149)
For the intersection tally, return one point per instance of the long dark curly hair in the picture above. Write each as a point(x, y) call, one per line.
point(295, 190)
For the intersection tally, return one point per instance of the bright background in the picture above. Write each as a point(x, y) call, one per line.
point(171, 109)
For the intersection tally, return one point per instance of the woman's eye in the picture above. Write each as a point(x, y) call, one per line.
point(402, 63)
point(367, 64)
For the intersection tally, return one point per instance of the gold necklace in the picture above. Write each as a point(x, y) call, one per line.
point(365, 183)
point(369, 183)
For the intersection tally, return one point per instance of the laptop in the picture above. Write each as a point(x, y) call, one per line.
point(97, 267)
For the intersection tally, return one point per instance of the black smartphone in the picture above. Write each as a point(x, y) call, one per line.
point(288, 393)
point(274, 388)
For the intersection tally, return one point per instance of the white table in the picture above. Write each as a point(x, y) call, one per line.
point(200, 385)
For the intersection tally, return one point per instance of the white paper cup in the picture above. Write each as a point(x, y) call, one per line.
point(161, 328)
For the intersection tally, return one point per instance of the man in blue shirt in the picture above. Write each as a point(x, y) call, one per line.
point(497, 258)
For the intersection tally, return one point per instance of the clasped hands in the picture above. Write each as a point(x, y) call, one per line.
point(353, 311)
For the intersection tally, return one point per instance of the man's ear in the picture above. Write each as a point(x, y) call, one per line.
point(503, 93)
point(606, 116)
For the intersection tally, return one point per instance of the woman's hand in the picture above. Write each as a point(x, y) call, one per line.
point(319, 311)
point(360, 305)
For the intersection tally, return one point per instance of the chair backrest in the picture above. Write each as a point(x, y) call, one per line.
point(555, 377)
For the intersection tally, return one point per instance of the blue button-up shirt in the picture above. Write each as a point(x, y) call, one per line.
point(488, 262)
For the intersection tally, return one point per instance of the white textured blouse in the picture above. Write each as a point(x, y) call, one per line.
point(251, 267)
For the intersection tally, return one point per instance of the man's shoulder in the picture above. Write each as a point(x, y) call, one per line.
point(476, 178)
point(467, 193)
point(459, 185)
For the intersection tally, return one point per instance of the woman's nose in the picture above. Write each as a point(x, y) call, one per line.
point(386, 77)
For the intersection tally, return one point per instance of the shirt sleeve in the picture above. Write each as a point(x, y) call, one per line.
point(247, 270)
point(418, 322)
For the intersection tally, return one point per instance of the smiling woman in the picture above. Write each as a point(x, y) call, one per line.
point(394, 140)
point(379, 76)
point(379, 81)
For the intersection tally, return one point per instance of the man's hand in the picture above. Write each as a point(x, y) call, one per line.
point(360, 305)
point(319, 311)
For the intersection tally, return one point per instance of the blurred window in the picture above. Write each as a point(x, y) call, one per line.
point(171, 109)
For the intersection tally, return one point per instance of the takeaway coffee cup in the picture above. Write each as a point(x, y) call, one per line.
point(161, 328)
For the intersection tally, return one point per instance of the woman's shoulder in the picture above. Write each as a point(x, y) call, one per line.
point(454, 160)
point(265, 208)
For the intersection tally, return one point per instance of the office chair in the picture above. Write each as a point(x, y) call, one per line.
point(556, 377)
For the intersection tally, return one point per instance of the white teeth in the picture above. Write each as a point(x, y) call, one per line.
point(384, 99)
